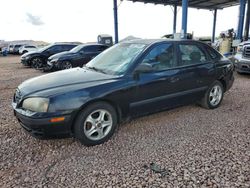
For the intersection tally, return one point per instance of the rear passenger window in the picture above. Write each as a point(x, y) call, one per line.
point(55, 48)
point(67, 47)
point(191, 54)
point(102, 48)
point(213, 54)
point(91, 49)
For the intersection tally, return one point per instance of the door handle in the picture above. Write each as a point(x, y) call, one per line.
point(174, 79)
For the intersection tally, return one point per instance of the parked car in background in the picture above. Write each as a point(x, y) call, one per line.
point(27, 48)
point(242, 58)
point(4, 51)
point(127, 80)
point(16, 48)
point(76, 57)
point(38, 59)
point(10, 48)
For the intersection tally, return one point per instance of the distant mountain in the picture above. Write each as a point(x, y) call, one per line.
point(31, 42)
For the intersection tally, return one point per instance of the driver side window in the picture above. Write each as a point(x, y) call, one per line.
point(161, 57)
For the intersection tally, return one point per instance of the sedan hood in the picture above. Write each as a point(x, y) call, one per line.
point(61, 81)
point(61, 55)
point(30, 53)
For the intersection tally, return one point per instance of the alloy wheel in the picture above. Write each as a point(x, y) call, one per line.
point(215, 95)
point(98, 125)
point(67, 65)
point(37, 63)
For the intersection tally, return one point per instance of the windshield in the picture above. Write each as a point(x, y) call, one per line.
point(117, 59)
point(77, 48)
point(45, 48)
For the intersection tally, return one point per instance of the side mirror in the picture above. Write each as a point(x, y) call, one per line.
point(144, 68)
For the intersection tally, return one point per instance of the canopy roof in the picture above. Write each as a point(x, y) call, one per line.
point(200, 4)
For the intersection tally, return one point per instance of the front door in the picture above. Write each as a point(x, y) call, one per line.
point(156, 89)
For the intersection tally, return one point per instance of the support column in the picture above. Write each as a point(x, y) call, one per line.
point(214, 25)
point(246, 30)
point(241, 18)
point(175, 19)
point(116, 21)
point(184, 17)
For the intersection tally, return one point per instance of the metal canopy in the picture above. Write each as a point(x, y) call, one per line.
point(200, 4)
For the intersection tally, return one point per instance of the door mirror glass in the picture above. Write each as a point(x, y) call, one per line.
point(144, 68)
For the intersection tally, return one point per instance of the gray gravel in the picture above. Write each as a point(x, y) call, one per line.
point(196, 147)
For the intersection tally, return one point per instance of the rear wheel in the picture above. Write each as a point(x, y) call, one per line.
point(95, 124)
point(213, 96)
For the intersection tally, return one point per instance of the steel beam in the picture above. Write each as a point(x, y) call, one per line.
point(116, 21)
point(242, 10)
point(175, 19)
point(184, 17)
point(214, 25)
point(246, 30)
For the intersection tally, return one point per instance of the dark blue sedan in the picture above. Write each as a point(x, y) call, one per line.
point(127, 80)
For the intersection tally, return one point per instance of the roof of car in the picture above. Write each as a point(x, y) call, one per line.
point(152, 41)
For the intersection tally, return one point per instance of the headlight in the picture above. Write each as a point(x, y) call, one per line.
point(36, 104)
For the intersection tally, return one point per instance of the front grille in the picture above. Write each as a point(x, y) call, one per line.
point(17, 96)
point(246, 52)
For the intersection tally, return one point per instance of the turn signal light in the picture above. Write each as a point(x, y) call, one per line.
point(58, 119)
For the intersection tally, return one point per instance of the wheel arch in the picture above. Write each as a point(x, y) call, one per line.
point(224, 84)
point(112, 103)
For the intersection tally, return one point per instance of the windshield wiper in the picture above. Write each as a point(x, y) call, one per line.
point(96, 69)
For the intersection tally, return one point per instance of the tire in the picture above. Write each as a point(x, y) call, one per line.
point(213, 96)
point(37, 63)
point(99, 117)
point(66, 65)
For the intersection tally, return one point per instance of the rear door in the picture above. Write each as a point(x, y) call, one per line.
point(196, 69)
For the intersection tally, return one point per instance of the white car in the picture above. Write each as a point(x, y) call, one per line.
point(27, 48)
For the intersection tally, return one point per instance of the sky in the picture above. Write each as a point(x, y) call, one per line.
point(84, 20)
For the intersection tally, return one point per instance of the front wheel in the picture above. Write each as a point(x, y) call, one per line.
point(66, 65)
point(95, 124)
point(213, 96)
point(37, 63)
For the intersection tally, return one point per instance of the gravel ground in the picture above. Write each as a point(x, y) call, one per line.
point(193, 147)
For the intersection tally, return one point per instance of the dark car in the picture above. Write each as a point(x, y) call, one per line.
point(127, 80)
point(38, 59)
point(16, 48)
point(76, 57)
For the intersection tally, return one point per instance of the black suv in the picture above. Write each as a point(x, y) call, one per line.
point(76, 57)
point(38, 59)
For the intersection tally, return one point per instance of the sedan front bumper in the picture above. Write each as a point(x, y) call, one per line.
point(43, 127)
point(25, 62)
